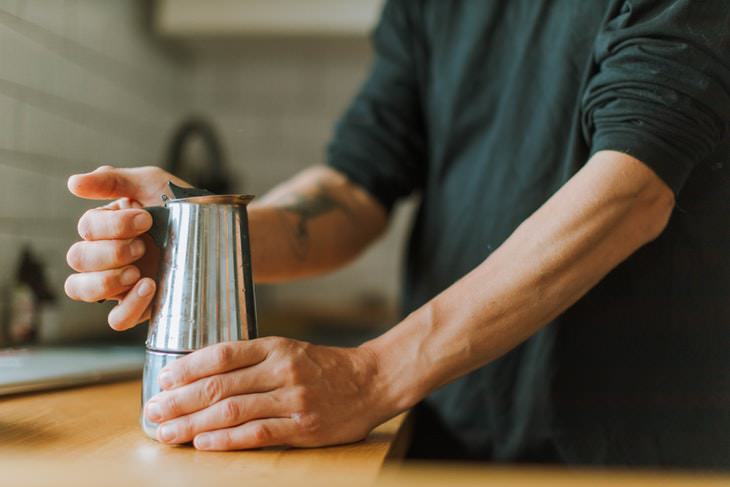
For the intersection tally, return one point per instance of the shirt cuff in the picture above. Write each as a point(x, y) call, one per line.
point(650, 150)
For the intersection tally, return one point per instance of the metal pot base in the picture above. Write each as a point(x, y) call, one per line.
point(153, 363)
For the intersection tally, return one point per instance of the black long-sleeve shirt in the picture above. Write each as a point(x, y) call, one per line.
point(486, 108)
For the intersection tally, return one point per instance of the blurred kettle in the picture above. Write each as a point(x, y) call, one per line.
point(209, 169)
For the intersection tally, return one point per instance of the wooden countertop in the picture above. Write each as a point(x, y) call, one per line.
point(90, 436)
point(98, 426)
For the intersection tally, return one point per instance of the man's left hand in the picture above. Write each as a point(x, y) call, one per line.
point(265, 392)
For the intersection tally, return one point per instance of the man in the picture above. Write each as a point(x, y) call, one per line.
point(565, 293)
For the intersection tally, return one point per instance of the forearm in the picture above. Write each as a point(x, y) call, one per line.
point(313, 223)
point(613, 206)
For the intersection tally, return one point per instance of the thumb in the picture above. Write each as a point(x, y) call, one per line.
point(143, 184)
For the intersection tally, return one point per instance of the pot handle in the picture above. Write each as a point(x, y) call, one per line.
point(161, 215)
point(160, 218)
point(178, 192)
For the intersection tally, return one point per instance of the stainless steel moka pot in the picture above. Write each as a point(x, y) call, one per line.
point(205, 292)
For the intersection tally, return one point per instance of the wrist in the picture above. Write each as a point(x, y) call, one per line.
point(398, 382)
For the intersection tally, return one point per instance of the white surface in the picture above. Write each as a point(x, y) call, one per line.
point(23, 370)
point(264, 17)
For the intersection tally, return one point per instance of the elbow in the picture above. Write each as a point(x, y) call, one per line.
point(657, 202)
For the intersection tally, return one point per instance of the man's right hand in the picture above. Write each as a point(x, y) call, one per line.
point(115, 260)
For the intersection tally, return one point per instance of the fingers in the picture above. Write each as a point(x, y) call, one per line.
point(205, 392)
point(122, 204)
point(215, 359)
point(143, 184)
point(107, 224)
point(106, 182)
point(254, 434)
point(93, 286)
point(134, 307)
point(232, 411)
point(104, 254)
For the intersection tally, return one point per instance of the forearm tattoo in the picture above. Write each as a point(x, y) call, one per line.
point(307, 207)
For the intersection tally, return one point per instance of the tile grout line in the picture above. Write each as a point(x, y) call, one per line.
point(125, 76)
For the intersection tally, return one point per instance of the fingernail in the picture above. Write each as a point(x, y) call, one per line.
point(145, 288)
point(72, 181)
point(129, 276)
point(137, 248)
point(167, 433)
point(165, 379)
point(203, 441)
point(142, 222)
point(153, 411)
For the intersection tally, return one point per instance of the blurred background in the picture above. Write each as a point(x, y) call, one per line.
point(242, 93)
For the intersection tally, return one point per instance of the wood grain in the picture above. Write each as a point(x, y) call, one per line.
point(98, 425)
point(90, 437)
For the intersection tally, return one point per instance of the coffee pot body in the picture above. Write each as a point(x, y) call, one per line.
point(205, 291)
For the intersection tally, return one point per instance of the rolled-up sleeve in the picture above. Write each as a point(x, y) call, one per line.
point(379, 143)
point(661, 87)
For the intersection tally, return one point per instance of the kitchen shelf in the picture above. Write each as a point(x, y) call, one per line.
point(231, 18)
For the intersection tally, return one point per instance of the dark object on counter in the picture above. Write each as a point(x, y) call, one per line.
point(210, 173)
point(28, 294)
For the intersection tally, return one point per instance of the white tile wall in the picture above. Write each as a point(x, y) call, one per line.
point(9, 6)
point(7, 121)
point(81, 84)
point(84, 82)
